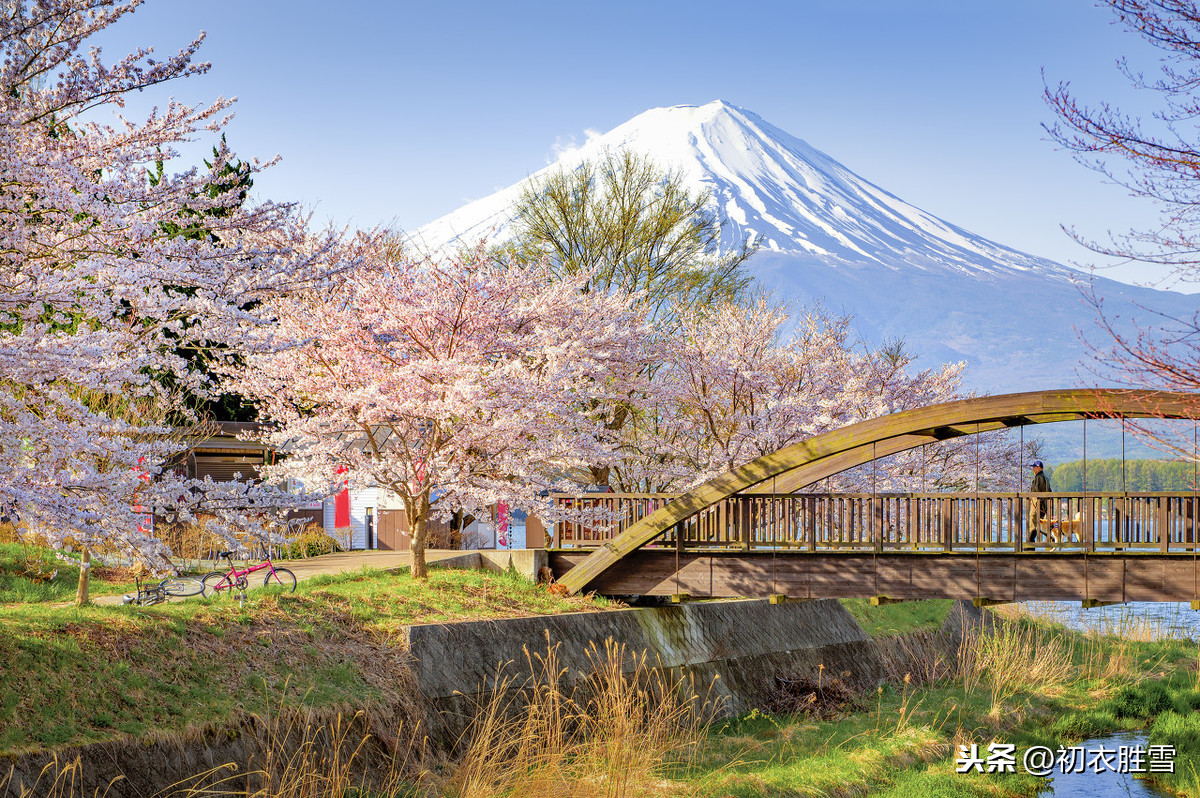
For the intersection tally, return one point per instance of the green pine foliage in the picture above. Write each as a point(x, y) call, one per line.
point(1140, 475)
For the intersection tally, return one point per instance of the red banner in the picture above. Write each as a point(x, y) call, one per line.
point(341, 505)
point(502, 525)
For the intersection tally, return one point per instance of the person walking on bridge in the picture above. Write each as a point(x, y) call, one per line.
point(1040, 484)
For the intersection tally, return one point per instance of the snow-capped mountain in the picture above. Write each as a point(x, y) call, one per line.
point(828, 235)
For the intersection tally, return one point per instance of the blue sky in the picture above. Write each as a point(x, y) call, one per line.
point(398, 112)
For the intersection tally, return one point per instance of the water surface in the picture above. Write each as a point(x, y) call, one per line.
point(1102, 785)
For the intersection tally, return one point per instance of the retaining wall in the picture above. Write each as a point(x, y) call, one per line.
point(737, 647)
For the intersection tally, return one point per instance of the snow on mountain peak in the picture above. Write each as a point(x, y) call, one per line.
point(827, 235)
point(771, 186)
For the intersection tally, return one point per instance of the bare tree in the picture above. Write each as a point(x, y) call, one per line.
point(1157, 160)
point(635, 227)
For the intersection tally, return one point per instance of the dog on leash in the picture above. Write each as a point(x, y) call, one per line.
point(1056, 531)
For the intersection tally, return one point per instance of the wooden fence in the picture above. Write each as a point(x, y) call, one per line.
point(933, 522)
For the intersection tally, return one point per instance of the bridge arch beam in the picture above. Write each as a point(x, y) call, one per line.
point(808, 461)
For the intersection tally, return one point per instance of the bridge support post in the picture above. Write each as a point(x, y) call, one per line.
point(784, 598)
point(1091, 603)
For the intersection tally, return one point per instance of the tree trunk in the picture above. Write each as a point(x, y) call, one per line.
point(85, 577)
point(420, 536)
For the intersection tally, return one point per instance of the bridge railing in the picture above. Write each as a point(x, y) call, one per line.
point(930, 522)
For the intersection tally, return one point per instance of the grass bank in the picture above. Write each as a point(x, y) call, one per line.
point(901, 618)
point(1025, 683)
point(647, 736)
point(77, 675)
point(32, 574)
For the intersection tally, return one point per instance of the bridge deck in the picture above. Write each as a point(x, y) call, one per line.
point(998, 546)
point(1065, 576)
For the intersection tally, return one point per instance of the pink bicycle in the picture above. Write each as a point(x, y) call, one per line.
point(225, 582)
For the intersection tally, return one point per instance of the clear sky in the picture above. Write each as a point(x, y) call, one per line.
point(399, 112)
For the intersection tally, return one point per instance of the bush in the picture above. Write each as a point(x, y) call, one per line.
point(1142, 701)
point(1181, 731)
point(1082, 725)
point(312, 542)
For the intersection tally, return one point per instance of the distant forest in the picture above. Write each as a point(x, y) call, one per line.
point(1140, 475)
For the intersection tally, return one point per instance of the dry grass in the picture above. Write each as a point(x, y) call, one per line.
point(624, 731)
point(615, 734)
point(1009, 658)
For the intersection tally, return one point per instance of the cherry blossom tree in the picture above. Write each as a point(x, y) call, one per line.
point(454, 383)
point(732, 388)
point(99, 293)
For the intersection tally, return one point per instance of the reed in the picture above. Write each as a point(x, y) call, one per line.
point(1008, 658)
point(620, 732)
point(627, 730)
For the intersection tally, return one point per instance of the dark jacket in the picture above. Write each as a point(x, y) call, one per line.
point(1041, 484)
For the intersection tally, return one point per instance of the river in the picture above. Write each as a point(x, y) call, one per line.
point(1107, 784)
point(1135, 620)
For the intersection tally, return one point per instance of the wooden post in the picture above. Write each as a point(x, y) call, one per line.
point(877, 517)
point(947, 524)
point(1089, 530)
point(1018, 525)
point(1189, 515)
point(812, 535)
point(1164, 525)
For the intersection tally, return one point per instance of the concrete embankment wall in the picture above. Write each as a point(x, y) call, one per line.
point(736, 647)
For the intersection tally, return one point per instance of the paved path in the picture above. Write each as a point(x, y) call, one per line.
point(344, 561)
point(339, 562)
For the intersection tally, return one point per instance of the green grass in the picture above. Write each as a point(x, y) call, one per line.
point(75, 675)
point(902, 745)
point(72, 676)
point(898, 619)
point(903, 741)
point(32, 574)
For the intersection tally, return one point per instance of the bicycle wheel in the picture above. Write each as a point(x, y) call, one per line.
point(217, 583)
point(282, 577)
point(182, 586)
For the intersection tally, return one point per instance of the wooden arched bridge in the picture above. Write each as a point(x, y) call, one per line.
point(753, 532)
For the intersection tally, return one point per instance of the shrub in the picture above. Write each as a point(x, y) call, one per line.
point(312, 542)
point(1082, 725)
point(1181, 731)
point(1141, 701)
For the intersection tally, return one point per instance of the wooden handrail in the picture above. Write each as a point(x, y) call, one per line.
point(931, 522)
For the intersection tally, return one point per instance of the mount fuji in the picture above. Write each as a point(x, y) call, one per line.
point(827, 235)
